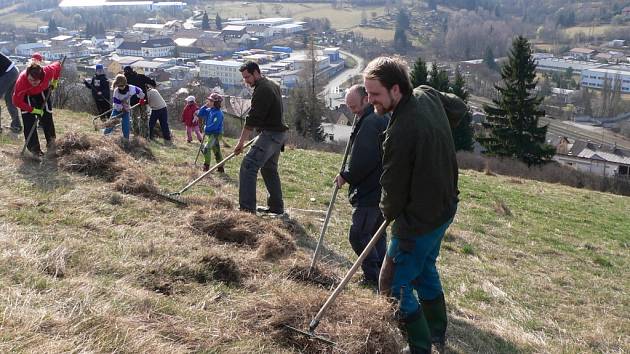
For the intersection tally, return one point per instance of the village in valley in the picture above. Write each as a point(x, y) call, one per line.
point(132, 234)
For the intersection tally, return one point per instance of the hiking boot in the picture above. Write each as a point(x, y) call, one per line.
point(268, 210)
point(51, 148)
point(221, 169)
point(206, 167)
point(168, 142)
point(37, 155)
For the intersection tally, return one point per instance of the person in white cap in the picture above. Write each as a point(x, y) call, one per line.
point(190, 121)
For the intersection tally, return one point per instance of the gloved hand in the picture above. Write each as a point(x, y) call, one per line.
point(54, 83)
point(37, 111)
point(142, 101)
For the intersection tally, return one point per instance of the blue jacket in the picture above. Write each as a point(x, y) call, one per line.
point(213, 118)
point(363, 169)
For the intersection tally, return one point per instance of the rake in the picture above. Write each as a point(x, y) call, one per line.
point(110, 122)
point(315, 321)
point(174, 197)
point(332, 203)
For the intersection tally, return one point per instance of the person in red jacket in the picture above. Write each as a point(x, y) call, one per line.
point(31, 89)
point(190, 121)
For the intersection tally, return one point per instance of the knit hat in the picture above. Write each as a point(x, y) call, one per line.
point(215, 97)
point(128, 69)
point(120, 80)
point(99, 67)
point(190, 99)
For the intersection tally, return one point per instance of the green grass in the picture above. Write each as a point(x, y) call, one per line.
point(550, 277)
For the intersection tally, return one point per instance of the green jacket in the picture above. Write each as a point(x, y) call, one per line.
point(419, 164)
point(266, 108)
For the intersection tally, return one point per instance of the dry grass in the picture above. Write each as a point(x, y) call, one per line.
point(87, 269)
point(356, 324)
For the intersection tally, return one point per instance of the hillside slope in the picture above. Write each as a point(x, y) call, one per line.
point(527, 266)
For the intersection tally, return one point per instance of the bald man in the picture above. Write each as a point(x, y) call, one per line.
point(362, 173)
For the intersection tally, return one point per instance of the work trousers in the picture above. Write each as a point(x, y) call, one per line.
point(365, 222)
point(263, 156)
point(46, 122)
point(7, 86)
point(212, 146)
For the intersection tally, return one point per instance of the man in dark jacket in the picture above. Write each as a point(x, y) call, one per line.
point(265, 116)
point(8, 76)
point(419, 194)
point(362, 173)
point(140, 124)
point(100, 90)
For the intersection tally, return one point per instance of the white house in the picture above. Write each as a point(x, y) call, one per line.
point(152, 48)
point(608, 161)
point(594, 78)
point(227, 71)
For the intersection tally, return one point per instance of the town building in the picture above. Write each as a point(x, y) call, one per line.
point(551, 64)
point(582, 53)
point(596, 77)
point(227, 71)
point(152, 48)
point(598, 159)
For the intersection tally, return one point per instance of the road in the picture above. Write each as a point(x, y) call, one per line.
point(332, 90)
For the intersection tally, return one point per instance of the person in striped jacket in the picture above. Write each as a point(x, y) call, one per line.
point(121, 106)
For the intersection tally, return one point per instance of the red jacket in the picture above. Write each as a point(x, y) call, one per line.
point(24, 88)
point(189, 113)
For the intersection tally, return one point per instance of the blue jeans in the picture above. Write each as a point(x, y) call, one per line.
point(365, 222)
point(263, 156)
point(162, 116)
point(124, 121)
point(409, 266)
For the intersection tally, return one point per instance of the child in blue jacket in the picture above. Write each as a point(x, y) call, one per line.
point(213, 118)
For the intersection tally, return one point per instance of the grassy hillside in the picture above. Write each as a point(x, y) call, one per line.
point(527, 266)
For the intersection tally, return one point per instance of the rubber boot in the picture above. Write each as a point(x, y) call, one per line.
point(435, 314)
point(221, 169)
point(418, 333)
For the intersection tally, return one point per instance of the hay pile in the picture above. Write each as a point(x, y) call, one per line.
point(320, 275)
point(174, 275)
point(270, 238)
point(137, 147)
point(356, 324)
point(104, 158)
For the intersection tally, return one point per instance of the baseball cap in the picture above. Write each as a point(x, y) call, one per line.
point(37, 56)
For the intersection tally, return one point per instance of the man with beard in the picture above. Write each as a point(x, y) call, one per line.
point(419, 196)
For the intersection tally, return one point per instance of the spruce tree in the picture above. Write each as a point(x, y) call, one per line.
point(218, 22)
point(463, 133)
point(419, 73)
point(513, 117)
point(205, 22)
point(438, 78)
point(52, 26)
point(488, 59)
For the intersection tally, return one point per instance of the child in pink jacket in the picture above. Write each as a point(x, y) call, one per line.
point(189, 119)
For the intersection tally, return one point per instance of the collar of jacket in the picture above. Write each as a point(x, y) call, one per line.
point(403, 102)
point(259, 81)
